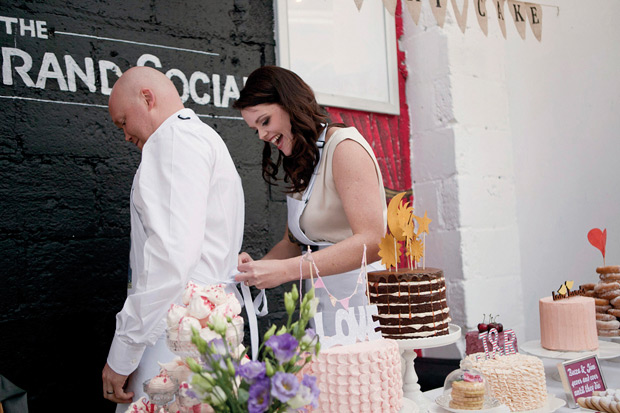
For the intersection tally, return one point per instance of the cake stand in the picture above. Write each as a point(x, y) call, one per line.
point(606, 350)
point(411, 388)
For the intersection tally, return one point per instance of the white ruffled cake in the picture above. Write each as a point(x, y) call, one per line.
point(361, 377)
point(516, 380)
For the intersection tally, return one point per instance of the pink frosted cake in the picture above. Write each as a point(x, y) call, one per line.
point(568, 324)
point(361, 377)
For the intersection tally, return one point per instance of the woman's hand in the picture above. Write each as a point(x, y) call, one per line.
point(263, 273)
point(243, 258)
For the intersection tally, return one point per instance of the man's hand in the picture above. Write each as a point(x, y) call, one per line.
point(113, 384)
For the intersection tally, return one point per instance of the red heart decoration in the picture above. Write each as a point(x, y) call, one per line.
point(598, 239)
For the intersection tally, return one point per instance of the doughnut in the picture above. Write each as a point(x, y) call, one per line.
point(602, 287)
point(589, 293)
point(610, 269)
point(607, 325)
point(614, 312)
point(608, 295)
point(605, 316)
point(609, 277)
point(602, 308)
point(588, 286)
point(615, 302)
point(601, 301)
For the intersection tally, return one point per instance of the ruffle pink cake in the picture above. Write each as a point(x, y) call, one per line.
point(361, 377)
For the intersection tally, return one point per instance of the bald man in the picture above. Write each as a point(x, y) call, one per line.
point(186, 222)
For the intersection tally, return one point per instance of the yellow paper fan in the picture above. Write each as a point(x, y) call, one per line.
point(389, 255)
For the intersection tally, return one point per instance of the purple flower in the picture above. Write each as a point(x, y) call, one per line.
point(309, 382)
point(252, 371)
point(259, 396)
point(284, 346)
point(284, 386)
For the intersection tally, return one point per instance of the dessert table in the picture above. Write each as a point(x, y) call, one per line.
point(609, 367)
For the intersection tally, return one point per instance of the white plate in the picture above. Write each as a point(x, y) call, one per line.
point(606, 350)
point(409, 406)
point(490, 404)
point(551, 405)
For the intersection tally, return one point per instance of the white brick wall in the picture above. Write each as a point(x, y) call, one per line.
point(514, 155)
point(462, 169)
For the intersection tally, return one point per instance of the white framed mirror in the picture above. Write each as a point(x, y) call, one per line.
point(348, 56)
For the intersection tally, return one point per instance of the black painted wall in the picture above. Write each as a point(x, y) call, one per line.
point(66, 172)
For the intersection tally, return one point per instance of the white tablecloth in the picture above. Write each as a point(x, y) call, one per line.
point(610, 369)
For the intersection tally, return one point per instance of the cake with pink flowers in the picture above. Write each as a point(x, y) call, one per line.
point(203, 305)
point(361, 377)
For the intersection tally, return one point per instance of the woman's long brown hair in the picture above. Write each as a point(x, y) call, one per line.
point(272, 84)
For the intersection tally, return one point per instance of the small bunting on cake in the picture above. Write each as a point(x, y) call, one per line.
point(319, 283)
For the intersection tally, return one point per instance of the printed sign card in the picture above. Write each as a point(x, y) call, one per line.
point(580, 377)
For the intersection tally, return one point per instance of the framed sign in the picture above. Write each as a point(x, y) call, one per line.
point(580, 377)
point(348, 56)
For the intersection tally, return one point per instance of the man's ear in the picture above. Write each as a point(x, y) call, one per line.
point(149, 97)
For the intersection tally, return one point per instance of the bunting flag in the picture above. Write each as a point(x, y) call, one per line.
point(319, 283)
point(517, 8)
point(439, 11)
point(519, 12)
point(461, 15)
point(414, 6)
point(481, 15)
point(500, 16)
point(534, 15)
point(390, 5)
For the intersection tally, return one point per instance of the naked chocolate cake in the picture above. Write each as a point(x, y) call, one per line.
point(411, 302)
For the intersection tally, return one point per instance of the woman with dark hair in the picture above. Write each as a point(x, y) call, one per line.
point(335, 196)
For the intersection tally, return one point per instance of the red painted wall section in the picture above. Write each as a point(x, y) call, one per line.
point(387, 134)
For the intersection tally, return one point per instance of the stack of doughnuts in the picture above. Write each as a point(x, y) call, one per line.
point(606, 294)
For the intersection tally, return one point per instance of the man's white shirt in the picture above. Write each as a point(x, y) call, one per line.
point(187, 211)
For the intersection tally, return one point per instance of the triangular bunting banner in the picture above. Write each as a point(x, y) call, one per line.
point(319, 283)
point(358, 4)
point(439, 10)
point(534, 15)
point(345, 303)
point(517, 11)
point(499, 7)
point(461, 15)
point(520, 11)
point(333, 300)
point(390, 5)
point(481, 15)
point(414, 6)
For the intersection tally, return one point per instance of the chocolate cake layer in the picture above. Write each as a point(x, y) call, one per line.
point(411, 303)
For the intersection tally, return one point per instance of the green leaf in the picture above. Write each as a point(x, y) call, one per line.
point(243, 396)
